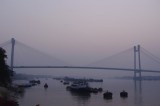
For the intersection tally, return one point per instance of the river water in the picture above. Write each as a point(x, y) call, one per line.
point(140, 93)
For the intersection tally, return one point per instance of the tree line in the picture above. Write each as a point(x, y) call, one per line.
point(5, 72)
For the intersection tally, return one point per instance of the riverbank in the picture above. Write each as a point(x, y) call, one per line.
point(6, 99)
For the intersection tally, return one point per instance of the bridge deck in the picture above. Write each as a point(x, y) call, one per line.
point(85, 67)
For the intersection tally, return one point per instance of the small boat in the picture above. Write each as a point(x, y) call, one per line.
point(66, 83)
point(100, 89)
point(82, 86)
point(45, 85)
point(24, 85)
point(123, 94)
point(79, 86)
point(107, 95)
point(35, 81)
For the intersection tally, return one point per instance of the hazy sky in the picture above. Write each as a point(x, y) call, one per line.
point(82, 31)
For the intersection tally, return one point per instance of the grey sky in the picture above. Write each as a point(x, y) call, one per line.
point(82, 31)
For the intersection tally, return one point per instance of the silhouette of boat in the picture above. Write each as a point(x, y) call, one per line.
point(79, 86)
point(82, 86)
point(123, 94)
point(66, 83)
point(45, 85)
point(107, 95)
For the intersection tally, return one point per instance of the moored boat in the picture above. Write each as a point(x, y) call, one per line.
point(82, 86)
point(107, 95)
point(79, 86)
point(45, 85)
point(66, 83)
point(123, 94)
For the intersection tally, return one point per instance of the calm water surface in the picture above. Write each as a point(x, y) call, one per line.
point(144, 93)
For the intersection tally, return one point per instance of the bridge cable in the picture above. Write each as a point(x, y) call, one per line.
point(150, 55)
point(40, 52)
point(111, 57)
point(5, 43)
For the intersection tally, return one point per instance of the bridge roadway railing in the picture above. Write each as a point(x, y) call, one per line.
point(85, 67)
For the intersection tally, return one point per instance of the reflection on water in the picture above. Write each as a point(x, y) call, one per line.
point(57, 95)
point(81, 98)
point(138, 92)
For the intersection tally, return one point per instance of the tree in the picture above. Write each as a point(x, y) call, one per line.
point(5, 72)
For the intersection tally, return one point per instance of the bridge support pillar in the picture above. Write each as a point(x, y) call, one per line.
point(137, 70)
point(12, 53)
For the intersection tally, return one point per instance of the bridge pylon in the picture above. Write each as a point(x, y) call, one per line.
point(137, 62)
point(12, 53)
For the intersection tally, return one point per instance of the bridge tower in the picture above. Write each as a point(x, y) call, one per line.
point(12, 53)
point(137, 67)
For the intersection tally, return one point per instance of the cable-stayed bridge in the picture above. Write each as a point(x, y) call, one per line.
point(135, 59)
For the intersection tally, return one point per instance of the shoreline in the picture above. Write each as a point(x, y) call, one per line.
point(6, 99)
